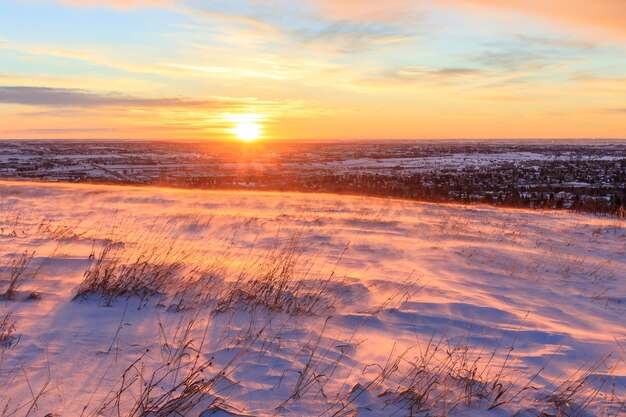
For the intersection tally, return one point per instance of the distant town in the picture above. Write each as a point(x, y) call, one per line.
point(587, 176)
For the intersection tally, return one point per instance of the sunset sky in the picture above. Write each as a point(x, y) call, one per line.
point(312, 69)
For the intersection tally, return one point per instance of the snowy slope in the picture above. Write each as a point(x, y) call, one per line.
point(302, 304)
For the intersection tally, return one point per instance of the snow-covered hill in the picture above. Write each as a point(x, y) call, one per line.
point(123, 301)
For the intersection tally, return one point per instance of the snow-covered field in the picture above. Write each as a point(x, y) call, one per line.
point(123, 301)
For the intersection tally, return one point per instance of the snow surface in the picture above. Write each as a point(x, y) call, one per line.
point(533, 297)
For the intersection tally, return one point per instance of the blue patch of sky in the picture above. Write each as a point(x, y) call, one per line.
point(54, 23)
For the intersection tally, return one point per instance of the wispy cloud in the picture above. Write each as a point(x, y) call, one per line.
point(558, 42)
point(350, 37)
point(515, 59)
point(368, 10)
point(60, 131)
point(533, 55)
point(417, 75)
point(63, 103)
point(66, 97)
point(119, 4)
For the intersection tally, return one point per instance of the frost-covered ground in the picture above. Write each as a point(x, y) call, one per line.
point(154, 302)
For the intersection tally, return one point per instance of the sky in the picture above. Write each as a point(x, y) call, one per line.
point(312, 69)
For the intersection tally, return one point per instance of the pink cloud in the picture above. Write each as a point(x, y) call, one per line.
point(602, 16)
point(369, 9)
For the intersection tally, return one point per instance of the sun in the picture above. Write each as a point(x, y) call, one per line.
point(246, 127)
point(247, 131)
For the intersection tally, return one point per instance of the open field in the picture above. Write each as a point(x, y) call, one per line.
point(122, 301)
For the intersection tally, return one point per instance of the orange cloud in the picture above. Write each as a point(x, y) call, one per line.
point(603, 16)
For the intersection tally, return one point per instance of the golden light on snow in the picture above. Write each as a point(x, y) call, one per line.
point(247, 127)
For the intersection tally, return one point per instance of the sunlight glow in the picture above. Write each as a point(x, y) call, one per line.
point(248, 131)
point(247, 126)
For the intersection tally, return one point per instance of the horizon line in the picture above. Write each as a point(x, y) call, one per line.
point(295, 140)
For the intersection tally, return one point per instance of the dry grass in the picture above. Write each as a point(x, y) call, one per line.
point(8, 337)
point(573, 396)
point(276, 281)
point(174, 387)
point(14, 274)
point(435, 378)
point(141, 271)
point(443, 379)
point(50, 229)
point(280, 281)
point(185, 381)
point(29, 407)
